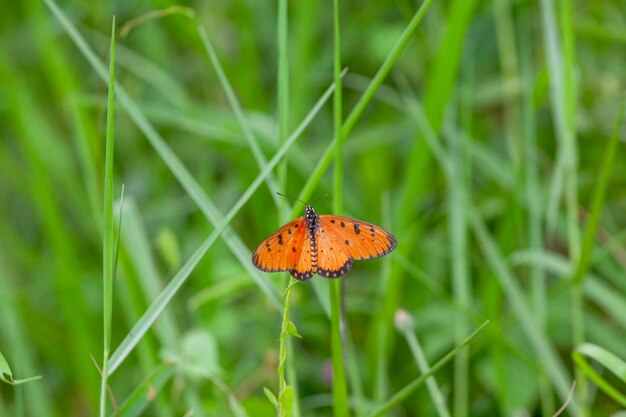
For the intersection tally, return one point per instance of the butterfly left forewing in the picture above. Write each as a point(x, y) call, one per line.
point(360, 240)
point(282, 250)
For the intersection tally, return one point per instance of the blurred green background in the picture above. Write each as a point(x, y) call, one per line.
point(481, 152)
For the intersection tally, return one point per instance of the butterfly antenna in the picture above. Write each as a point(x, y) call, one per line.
point(318, 199)
point(288, 196)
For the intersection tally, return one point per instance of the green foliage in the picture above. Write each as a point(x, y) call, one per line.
point(6, 375)
point(480, 133)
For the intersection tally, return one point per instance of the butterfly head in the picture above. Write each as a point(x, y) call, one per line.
point(311, 217)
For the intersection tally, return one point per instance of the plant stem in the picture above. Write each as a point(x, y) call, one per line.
point(108, 230)
point(340, 389)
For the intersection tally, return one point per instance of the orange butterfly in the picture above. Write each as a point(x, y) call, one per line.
point(324, 244)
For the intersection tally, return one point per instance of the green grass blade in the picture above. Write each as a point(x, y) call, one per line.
point(609, 361)
point(532, 184)
point(336, 287)
point(282, 96)
point(236, 107)
point(416, 383)
point(405, 325)
point(108, 244)
point(461, 281)
point(597, 202)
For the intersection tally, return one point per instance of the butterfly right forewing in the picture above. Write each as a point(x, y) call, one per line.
point(360, 240)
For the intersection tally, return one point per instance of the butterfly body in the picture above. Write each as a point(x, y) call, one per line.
point(321, 244)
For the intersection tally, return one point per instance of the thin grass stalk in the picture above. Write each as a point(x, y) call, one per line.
point(567, 111)
point(507, 52)
point(405, 325)
point(365, 99)
point(108, 251)
point(533, 198)
point(555, 65)
point(571, 193)
point(252, 141)
point(461, 285)
point(337, 297)
point(283, 133)
point(598, 199)
point(589, 238)
point(285, 392)
point(561, 63)
point(283, 96)
point(416, 383)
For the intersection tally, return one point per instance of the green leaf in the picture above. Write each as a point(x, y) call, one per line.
point(597, 203)
point(5, 370)
point(6, 374)
point(292, 331)
point(270, 396)
point(199, 348)
point(108, 238)
point(608, 360)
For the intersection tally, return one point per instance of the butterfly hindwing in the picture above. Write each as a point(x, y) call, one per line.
point(281, 251)
point(333, 261)
point(304, 269)
point(358, 239)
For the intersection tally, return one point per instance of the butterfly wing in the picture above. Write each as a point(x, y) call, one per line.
point(357, 239)
point(333, 261)
point(287, 249)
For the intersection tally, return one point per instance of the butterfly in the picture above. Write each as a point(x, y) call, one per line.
point(323, 244)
